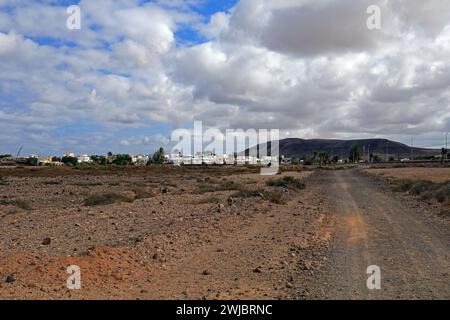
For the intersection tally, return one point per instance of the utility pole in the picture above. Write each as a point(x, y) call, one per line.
point(446, 145)
point(387, 151)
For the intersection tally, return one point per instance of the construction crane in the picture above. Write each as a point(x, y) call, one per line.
point(18, 153)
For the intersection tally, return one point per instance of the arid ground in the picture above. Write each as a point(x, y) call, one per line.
point(224, 233)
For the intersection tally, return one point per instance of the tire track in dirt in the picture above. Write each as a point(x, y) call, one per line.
point(374, 228)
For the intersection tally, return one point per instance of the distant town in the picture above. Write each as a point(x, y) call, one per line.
point(202, 158)
point(159, 157)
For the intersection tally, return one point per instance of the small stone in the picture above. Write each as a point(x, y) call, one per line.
point(46, 241)
point(257, 270)
point(11, 278)
point(206, 273)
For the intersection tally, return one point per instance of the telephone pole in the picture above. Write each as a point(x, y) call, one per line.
point(446, 145)
point(387, 151)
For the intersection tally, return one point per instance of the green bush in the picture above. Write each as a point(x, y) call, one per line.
point(72, 161)
point(122, 160)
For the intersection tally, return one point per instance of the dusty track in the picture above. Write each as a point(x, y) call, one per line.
point(374, 228)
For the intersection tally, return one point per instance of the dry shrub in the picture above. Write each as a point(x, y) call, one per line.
point(105, 199)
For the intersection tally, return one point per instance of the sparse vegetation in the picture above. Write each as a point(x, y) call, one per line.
point(223, 186)
point(272, 196)
point(205, 188)
point(212, 200)
point(229, 186)
point(105, 199)
point(25, 205)
point(87, 184)
point(3, 181)
point(403, 185)
point(426, 189)
point(141, 193)
point(247, 193)
point(420, 187)
point(52, 182)
point(287, 182)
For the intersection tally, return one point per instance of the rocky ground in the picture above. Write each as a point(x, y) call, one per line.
point(169, 239)
point(217, 233)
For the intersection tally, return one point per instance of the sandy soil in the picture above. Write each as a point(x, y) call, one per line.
point(430, 174)
point(170, 245)
point(172, 242)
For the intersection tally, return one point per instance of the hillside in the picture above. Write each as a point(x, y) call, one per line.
point(302, 148)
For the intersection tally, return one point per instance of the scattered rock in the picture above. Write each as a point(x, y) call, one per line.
point(206, 273)
point(11, 278)
point(164, 190)
point(257, 270)
point(46, 241)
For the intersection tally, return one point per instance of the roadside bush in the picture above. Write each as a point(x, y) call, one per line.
point(287, 182)
point(427, 195)
point(106, 198)
point(443, 193)
point(420, 187)
point(403, 185)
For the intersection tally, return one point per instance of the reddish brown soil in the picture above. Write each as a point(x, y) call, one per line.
point(168, 246)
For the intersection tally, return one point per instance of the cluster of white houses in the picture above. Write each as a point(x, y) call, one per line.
point(175, 159)
point(211, 159)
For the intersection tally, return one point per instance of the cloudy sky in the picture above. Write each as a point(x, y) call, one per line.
point(136, 70)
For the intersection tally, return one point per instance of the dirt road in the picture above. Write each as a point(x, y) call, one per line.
point(171, 245)
point(374, 228)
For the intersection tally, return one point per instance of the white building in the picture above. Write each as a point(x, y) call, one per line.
point(84, 158)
